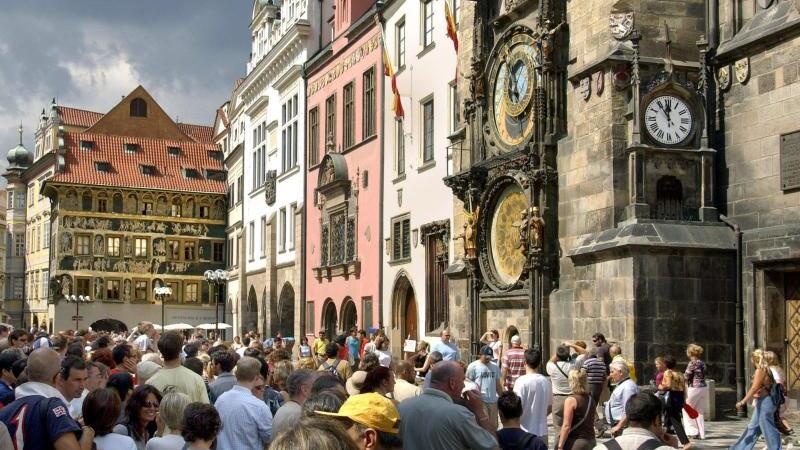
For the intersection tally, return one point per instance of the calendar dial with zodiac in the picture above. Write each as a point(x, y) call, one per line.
point(513, 78)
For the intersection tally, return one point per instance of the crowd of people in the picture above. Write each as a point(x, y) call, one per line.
point(168, 391)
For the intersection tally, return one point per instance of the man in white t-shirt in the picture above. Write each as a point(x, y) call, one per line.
point(536, 393)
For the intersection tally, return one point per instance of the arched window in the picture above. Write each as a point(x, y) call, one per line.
point(138, 108)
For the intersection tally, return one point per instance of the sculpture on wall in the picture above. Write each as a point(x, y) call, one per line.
point(98, 244)
point(126, 290)
point(469, 234)
point(66, 242)
point(531, 231)
point(98, 288)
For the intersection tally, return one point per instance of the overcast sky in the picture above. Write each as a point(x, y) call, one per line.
point(89, 53)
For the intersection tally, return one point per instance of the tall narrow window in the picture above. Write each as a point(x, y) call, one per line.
point(290, 226)
point(263, 236)
point(313, 136)
point(455, 112)
point(349, 116)
point(47, 234)
point(251, 241)
point(282, 229)
point(401, 239)
point(368, 108)
point(427, 23)
point(112, 245)
point(330, 120)
point(427, 131)
point(112, 289)
point(400, 43)
point(400, 148)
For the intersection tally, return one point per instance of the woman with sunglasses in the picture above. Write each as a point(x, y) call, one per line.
point(140, 415)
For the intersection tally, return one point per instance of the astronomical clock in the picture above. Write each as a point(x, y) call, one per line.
point(513, 78)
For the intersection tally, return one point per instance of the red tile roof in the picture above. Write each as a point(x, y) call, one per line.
point(125, 171)
point(78, 117)
point(199, 133)
point(223, 117)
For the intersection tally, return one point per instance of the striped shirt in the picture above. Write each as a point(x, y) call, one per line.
point(246, 420)
point(596, 370)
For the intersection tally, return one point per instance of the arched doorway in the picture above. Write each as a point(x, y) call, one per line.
point(405, 309)
point(250, 313)
point(329, 318)
point(349, 315)
point(286, 311)
point(109, 325)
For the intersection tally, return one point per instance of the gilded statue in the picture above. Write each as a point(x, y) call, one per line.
point(531, 231)
point(469, 233)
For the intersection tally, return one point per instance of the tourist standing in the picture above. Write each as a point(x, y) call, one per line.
point(331, 363)
point(486, 375)
point(353, 343)
point(170, 412)
point(492, 339)
point(643, 411)
point(140, 416)
point(615, 406)
point(379, 380)
point(512, 436)
point(616, 355)
point(174, 377)
point(320, 344)
point(577, 430)
point(96, 378)
point(536, 393)
point(223, 363)
point(446, 347)
point(603, 349)
point(246, 419)
point(696, 392)
point(40, 431)
point(780, 378)
point(201, 425)
point(8, 381)
point(763, 420)
point(404, 384)
point(597, 374)
point(558, 369)
point(100, 411)
point(298, 385)
point(434, 421)
point(371, 421)
point(513, 363)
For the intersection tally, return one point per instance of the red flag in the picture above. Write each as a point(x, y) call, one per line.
point(451, 25)
point(388, 70)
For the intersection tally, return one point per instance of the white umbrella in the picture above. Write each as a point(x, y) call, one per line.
point(158, 327)
point(211, 326)
point(178, 326)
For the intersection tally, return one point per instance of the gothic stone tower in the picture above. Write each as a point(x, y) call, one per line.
point(595, 115)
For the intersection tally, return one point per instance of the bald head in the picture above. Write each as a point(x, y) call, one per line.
point(445, 372)
point(43, 365)
point(403, 369)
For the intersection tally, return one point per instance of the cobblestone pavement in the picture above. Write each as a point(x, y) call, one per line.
point(722, 434)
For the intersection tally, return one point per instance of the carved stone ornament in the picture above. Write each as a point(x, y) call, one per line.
point(742, 70)
point(271, 184)
point(764, 4)
point(621, 77)
point(599, 82)
point(724, 77)
point(585, 88)
point(620, 25)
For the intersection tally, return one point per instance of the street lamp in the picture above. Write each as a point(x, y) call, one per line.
point(161, 293)
point(78, 299)
point(216, 277)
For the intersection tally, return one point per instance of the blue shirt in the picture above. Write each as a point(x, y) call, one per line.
point(353, 346)
point(449, 351)
point(38, 434)
point(485, 376)
point(6, 393)
point(615, 406)
point(246, 420)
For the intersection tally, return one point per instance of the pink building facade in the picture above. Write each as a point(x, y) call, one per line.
point(343, 183)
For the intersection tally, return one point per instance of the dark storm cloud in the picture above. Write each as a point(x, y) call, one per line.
point(89, 53)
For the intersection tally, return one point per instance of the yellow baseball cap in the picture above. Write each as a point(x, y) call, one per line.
point(370, 410)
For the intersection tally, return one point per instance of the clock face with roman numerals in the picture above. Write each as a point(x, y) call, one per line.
point(668, 119)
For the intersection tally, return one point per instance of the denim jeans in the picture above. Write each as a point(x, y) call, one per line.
point(763, 421)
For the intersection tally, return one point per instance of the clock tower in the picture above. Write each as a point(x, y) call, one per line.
point(587, 175)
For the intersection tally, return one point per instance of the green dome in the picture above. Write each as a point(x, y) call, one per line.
point(19, 156)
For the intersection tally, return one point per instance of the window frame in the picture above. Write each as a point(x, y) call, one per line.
point(116, 250)
point(108, 289)
point(400, 43)
point(426, 20)
point(349, 115)
point(330, 120)
point(368, 104)
point(428, 136)
point(78, 244)
point(136, 252)
point(400, 242)
point(400, 148)
point(313, 136)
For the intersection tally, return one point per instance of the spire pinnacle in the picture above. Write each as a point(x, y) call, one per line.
point(20, 133)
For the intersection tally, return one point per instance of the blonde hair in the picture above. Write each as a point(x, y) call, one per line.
point(171, 409)
point(580, 344)
point(307, 363)
point(659, 360)
point(694, 350)
point(281, 372)
point(758, 360)
point(578, 382)
point(771, 358)
point(316, 433)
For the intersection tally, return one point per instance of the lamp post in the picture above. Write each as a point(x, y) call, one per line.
point(78, 299)
point(161, 293)
point(216, 277)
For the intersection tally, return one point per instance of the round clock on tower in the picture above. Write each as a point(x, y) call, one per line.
point(668, 119)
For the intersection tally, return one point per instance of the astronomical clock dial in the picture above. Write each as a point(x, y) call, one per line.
point(513, 79)
point(508, 260)
point(668, 119)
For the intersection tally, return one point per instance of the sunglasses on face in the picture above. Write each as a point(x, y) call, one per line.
point(150, 404)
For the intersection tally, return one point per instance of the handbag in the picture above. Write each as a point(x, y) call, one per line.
point(778, 397)
point(691, 412)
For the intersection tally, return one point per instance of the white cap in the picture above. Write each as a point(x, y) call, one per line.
point(515, 339)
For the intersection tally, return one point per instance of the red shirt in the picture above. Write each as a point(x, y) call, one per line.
point(118, 370)
point(514, 363)
point(342, 353)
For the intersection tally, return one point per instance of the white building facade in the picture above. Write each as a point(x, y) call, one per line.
point(268, 121)
point(417, 222)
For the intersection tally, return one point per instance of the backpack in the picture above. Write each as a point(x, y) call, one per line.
point(332, 367)
point(650, 444)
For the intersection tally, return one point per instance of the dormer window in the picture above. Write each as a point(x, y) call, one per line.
point(174, 151)
point(191, 174)
point(215, 175)
point(148, 169)
point(215, 154)
point(131, 148)
point(138, 108)
point(102, 166)
point(87, 145)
